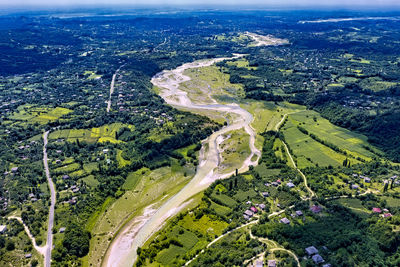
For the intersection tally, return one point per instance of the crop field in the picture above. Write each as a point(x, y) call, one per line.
point(376, 84)
point(352, 142)
point(41, 115)
point(308, 151)
point(267, 115)
point(106, 133)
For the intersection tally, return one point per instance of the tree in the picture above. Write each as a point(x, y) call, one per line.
point(10, 245)
point(76, 240)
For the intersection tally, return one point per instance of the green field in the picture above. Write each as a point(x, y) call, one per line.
point(106, 133)
point(241, 63)
point(310, 152)
point(42, 115)
point(352, 142)
point(235, 150)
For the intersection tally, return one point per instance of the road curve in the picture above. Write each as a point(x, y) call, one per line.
point(169, 82)
point(49, 243)
point(41, 250)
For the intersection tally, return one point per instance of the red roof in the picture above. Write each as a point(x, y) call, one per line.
point(253, 209)
point(376, 210)
point(387, 215)
point(316, 209)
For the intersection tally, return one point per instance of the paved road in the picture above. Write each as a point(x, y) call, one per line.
point(49, 243)
point(112, 88)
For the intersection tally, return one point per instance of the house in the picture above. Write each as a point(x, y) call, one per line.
point(285, 220)
point(249, 213)
point(271, 263)
point(275, 184)
point(58, 161)
point(262, 206)
point(376, 210)
point(327, 265)
point(354, 186)
point(367, 180)
point(279, 181)
point(246, 217)
point(105, 151)
point(259, 264)
point(62, 230)
point(265, 194)
point(14, 169)
point(3, 229)
point(254, 209)
point(311, 250)
point(290, 185)
point(316, 209)
point(299, 213)
point(65, 177)
point(72, 201)
point(317, 259)
point(385, 215)
point(28, 256)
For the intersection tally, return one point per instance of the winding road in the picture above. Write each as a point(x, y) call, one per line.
point(277, 127)
point(49, 243)
point(169, 82)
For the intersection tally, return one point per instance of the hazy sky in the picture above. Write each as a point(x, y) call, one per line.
point(291, 3)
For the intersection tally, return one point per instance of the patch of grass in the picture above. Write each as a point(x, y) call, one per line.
point(90, 181)
point(219, 209)
point(210, 82)
point(166, 256)
point(89, 167)
point(121, 161)
point(226, 200)
point(245, 195)
point(392, 202)
point(235, 150)
point(132, 179)
point(241, 63)
point(205, 225)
